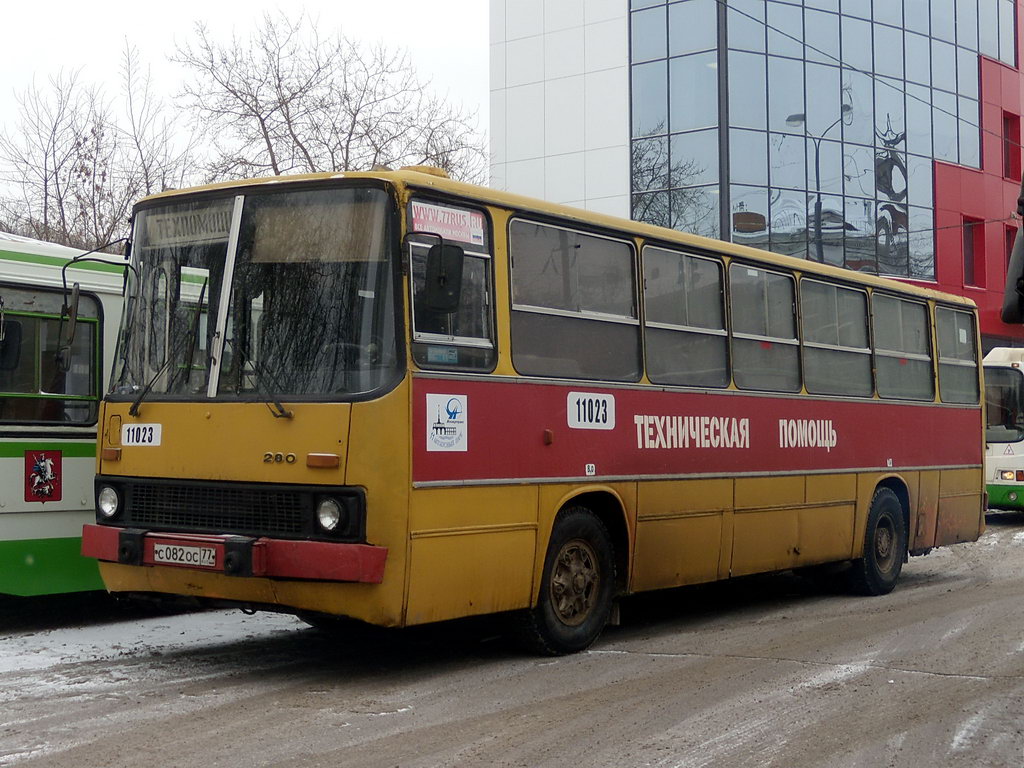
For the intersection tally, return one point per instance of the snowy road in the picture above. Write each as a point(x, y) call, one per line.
point(761, 672)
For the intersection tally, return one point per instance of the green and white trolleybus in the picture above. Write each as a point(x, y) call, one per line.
point(1004, 428)
point(49, 397)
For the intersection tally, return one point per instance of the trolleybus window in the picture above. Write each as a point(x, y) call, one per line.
point(33, 387)
point(837, 356)
point(903, 364)
point(685, 319)
point(1004, 405)
point(765, 351)
point(464, 338)
point(958, 362)
point(574, 309)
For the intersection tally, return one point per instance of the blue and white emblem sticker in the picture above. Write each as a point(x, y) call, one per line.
point(447, 422)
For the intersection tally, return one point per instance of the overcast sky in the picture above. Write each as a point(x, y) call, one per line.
point(447, 40)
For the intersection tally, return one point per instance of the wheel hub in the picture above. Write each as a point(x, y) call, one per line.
point(575, 582)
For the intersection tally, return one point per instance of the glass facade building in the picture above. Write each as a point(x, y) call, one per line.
point(808, 127)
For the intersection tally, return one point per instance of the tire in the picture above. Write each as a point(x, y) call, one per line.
point(576, 587)
point(885, 547)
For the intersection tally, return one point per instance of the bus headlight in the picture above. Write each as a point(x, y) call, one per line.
point(108, 503)
point(1006, 474)
point(328, 514)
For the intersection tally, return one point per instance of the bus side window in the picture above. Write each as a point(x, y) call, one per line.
point(10, 347)
point(684, 326)
point(903, 362)
point(766, 353)
point(958, 358)
point(837, 355)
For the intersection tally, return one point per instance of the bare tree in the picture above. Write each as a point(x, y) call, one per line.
point(288, 101)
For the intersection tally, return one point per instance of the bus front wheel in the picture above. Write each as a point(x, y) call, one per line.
point(576, 586)
point(885, 544)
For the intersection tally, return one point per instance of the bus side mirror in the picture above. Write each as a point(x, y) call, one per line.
point(70, 312)
point(443, 288)
point(1013, 293)
point(10, 346)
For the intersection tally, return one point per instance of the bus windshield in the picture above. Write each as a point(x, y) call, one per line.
point(299, 285)
point(1004, 404)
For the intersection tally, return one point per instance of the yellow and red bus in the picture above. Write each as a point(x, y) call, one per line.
point(402, 399)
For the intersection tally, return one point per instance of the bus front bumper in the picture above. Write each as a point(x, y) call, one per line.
point(237, 555)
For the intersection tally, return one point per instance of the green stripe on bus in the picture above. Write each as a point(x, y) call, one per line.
point(9, 450)
point(56, 261)
point(46, 566)
point(999, 496)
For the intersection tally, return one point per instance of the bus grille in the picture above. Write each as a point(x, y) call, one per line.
point(253, 510)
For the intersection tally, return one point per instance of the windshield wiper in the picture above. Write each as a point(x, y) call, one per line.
point(273, 404)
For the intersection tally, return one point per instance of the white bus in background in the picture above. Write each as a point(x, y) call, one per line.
point(1004, 428)
point(48, 412)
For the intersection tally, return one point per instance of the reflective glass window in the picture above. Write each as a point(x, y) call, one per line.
point(918, 58)
point(890, 115)
point(858, 93)
point(787, 163)
point(915, 14)
point(958, 355)
point(1007, 32)
point(748, 157)
point(944, 125)
point(921, 243)
point(891, 175)
point(860, 235)
point(652, 208)
point(888, 51)
point(825, 5)
point(746, 25)
point(785, 100)
point(650, 98)
point(891, 234)
point(826, 231)
point(685, 319)
point(821, 32)
point(943, 65)
point(747, 90)
point(649, 164)
point(889, 12)
point(857, 43)
point(967, 24)
point(919, 180)
point(647, 34)
point(902, 352)
point(837, 357)
point(636, 4)
point(859, 171)
point(694, 158)
point(988, 27)
point(764, 345)
point(859, 8)
point(919, 120)
point(696, 210)
point(824, 95)
point(943, 19)
point(969, 133)
point(692, 26)
point(825, 167)
point(788, 227)
point(749, 215)
point(967, 74)
point(694, 96)
point(785, 30)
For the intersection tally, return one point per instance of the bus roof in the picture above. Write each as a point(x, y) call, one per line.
point(1005, 356)
point(427, 177)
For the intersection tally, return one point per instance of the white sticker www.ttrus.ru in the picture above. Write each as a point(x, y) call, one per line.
point(447, 423)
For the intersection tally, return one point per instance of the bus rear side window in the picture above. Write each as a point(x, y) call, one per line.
point(903, 361)
point(837, 356)
point(685, 321)
point(573, 304)
point(765, 351)
point(958, 358)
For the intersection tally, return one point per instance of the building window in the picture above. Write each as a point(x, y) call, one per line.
point(1011, 146)
point(1011, 238)
point(974, 252)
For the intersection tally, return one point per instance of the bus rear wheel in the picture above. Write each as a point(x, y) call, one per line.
point(885, 544)
point(576, 586)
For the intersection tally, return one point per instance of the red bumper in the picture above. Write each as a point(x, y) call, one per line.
point(237, 555)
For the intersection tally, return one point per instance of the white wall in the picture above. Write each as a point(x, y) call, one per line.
point(560, 101)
